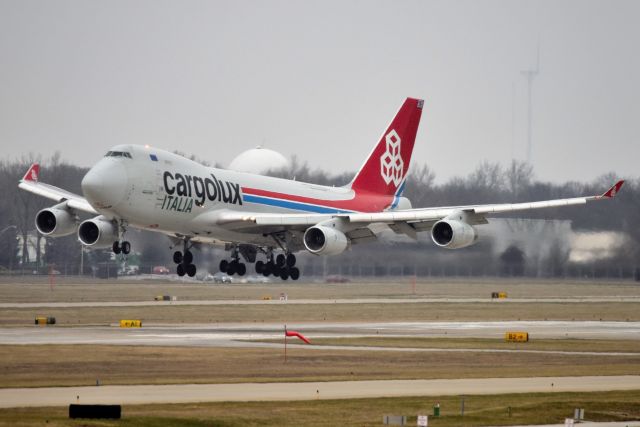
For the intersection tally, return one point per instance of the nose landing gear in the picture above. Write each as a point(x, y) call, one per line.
point(121, 247)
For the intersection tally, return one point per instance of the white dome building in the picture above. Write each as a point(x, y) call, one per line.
point(258, 160)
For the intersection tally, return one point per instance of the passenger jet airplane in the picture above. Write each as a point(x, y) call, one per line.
point(152, 189)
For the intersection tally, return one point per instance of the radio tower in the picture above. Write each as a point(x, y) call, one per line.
point(530, 74)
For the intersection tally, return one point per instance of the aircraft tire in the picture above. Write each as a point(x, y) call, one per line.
point(116, 248)
point(188, 257)
point(259, 267)
point(177, 257)
point(284, 274)
point(232, 268)
point(241, 269)
point(180, 270)
point(280, 260)
point(294, 273)
point(276, 270)
point(126, 247)
point(267, 269)
point(191, 270)
point(224, 265)
point(291, 260)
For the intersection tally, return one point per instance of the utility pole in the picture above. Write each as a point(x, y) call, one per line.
point(513, 119)
point(530, 74)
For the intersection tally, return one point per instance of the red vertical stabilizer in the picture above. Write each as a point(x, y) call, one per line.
point(387, 166)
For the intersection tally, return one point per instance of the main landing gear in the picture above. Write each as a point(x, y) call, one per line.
point(234, 266)
point(184, 261)
point(283, 267)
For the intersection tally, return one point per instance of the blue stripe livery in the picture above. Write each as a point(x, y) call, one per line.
point(291, 205)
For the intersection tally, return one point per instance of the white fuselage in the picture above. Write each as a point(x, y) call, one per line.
point(157, 190)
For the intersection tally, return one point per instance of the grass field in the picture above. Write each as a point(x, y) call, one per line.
point(29, 289)
point(621, 346)
point(66, 365)
point(38, 289)
point(479, 411)
point(283, 313)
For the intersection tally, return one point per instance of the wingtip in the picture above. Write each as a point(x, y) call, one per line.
point(615, 188)
point(32, 173)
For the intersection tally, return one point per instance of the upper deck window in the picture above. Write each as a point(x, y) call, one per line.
point(118, 154)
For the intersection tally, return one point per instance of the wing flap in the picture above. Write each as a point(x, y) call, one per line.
point(234, 220)
point(405, 228)
point(291, 219)
point(361, 235)
point(402, 216)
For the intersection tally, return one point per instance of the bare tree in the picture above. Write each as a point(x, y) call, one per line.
point(420, 184)
point(518, 176)
point(487, 176)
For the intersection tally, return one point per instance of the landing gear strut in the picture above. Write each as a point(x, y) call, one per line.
point(120, 245)
point(184, 261)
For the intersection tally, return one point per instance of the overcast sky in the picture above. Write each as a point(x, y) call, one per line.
point(322, 80)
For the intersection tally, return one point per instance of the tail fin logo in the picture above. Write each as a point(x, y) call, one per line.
point(391, 163)
point(32, 173)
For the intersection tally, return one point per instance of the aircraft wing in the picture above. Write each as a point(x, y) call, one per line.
point(407, 221)
point(435, 214)
point(30, 183)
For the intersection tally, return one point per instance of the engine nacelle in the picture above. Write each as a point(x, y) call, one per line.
point(321, 240)
point(98, 232)
point(55, 222)
point(453, 234)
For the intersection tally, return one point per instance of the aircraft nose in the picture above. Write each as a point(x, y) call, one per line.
point(105, 184)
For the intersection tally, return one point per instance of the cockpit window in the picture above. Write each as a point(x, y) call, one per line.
point(118, 154)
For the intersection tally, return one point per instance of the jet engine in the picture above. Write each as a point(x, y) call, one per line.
point(55, 222)
point(98, 232)
point(453, 234)
point(321, 240)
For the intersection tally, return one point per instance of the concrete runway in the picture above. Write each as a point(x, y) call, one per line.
point(242, 334)
point(145, 394)
point(571, 300)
